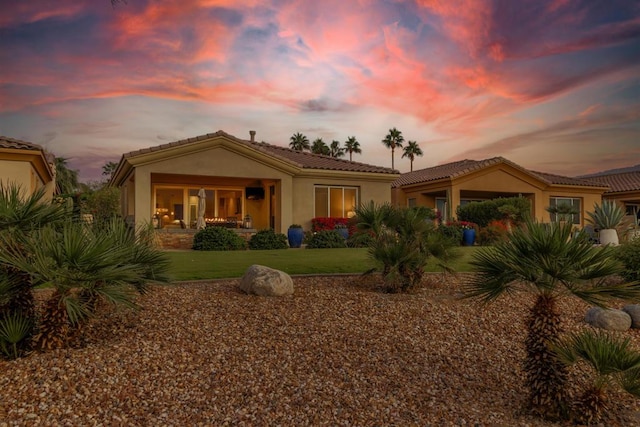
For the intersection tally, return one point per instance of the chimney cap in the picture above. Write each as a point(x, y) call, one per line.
point(252, 134)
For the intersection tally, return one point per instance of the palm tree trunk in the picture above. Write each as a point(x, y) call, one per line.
point(54, 325)
point(546, 376)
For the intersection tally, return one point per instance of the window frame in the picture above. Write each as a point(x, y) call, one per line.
point(345, 212)
point(575, 218)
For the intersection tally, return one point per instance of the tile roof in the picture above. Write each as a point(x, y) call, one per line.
point(301, 159)
point(627, 180)
point(6, 142)
point(463, 167)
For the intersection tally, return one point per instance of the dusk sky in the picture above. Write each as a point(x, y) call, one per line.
point(551, 85)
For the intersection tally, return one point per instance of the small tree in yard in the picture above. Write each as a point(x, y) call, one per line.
point(543, 259)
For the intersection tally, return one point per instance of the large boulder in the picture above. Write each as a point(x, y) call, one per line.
point(265, 281)
point(633, 310)
point(609, 319)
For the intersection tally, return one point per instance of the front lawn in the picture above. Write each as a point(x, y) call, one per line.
point(199, 265)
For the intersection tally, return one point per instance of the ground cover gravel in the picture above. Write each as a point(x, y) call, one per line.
point(335, 353)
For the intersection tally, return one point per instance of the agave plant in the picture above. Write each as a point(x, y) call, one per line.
point(611, 360)
point(542, 259)
point(606, 216)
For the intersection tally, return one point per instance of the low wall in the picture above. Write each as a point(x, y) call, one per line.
point(175, 239)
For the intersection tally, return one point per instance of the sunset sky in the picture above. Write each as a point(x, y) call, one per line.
point(551, 85)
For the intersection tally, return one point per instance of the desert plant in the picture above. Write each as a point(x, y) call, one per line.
point(606, 216)
point(628, 253)
point(542, 259)
point(611, 360)
point(372, 217)
point(326, 239)
point(217, 239)
point(563, 212)
point(268, 239)
point(15, 331)
point(360, 239)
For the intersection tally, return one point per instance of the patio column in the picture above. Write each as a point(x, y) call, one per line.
point(143, 197)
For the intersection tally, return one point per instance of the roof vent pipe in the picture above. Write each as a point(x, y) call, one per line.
point(252, 134)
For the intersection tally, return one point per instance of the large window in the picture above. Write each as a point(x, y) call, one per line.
point(178, 206)
point(335, 202)
point(570, 204)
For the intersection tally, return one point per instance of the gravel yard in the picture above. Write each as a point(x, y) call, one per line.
point(335, 353)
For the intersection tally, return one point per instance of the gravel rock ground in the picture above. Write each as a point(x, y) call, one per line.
point(334, 353)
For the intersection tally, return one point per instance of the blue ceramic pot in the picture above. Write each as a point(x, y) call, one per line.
point(295, 237)
point(468, 237)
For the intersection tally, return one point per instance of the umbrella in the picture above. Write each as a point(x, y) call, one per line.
point(202, 205)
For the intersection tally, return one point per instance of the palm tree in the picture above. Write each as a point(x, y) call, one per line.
point(66, 179)
point(299, 142)
point(411, 150)
point(319, 147)
point(544, 260)
point(335, 150)
point(393, 139)
point(351, 145)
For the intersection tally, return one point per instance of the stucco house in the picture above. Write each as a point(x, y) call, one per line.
point(624, 188)
point(445, 187)
point(274, 185)
point(27, 165)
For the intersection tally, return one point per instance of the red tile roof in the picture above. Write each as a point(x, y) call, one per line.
point(301, 159)
point(463, 167)
point(6, 142)
point(626, 180)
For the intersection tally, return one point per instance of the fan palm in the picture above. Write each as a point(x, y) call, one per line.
point(335, 150)
point(611, 361)
point(320, 147)
point(411, 150)
point(66, 179)
point(351, 145)
point(299, 142)
point(543, 259)
point(393, 139)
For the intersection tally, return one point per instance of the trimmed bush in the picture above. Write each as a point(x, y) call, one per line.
point(217, 239)
point(492, 233)
point(360, 239)
point(451, 231)
point(268, 239)
point(515, 209)
point(629, 254)
point(326, 239)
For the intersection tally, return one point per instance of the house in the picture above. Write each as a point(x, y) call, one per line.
point(448, 186)
point(27, 165)
point(241, 179)
point(624, 188)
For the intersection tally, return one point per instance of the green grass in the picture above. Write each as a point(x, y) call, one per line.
point(198, 265)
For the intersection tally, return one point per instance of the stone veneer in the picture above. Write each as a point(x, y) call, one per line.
point(175, 239)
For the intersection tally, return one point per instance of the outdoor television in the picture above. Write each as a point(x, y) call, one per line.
point(254, 193)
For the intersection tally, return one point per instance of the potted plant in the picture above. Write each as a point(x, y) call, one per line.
point(295, 235)
point(342, 230)
point(607, 217)
point(468, 233)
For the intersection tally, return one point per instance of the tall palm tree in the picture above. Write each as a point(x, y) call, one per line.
point(411, 150)
point(319, 147)
point(335, 150)
point(66, 179)
point(393, 139)
point(546, 261)
point(299, 142)
point(351, 145)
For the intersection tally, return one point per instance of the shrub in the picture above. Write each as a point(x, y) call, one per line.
point(629, 254)
point(493, 233)
point(360, 239)
point(268, 239)
point(452, 231)
point(327, 223)
point(515, 209)
point(217, 239)
point(326, 239)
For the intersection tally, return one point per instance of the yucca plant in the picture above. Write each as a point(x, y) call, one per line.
point(612, 361)
point(543, 260)
point(606, 216)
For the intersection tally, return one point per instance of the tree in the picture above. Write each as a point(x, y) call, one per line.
point(319, 147)
point(335, 150)
point(548, 262)
point(108, 169)
point(393, 139)
point(351, 145)
point(299, 142)
point(411, 150)
point(66, 179)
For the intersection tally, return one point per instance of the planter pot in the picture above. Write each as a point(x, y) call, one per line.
point(608, 236)
point(295, 236)
point(468, 237)
point(344, 232)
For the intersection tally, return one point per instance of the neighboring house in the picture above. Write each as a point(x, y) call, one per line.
point(624, 188)
point(275, 186)
point(26, 165)
point(448, 186)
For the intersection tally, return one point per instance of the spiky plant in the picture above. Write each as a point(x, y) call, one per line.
point(15, 330)
point(606, 216)
point(612, 361)
point(543, 260)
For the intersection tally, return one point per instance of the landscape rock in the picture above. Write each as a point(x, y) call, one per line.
point(609, 319)
point(265, 281)
point(633, 310)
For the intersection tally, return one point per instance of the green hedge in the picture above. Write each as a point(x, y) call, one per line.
point(482, 213)
point(218, 239)
point(326, 239)
point(268, 239)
